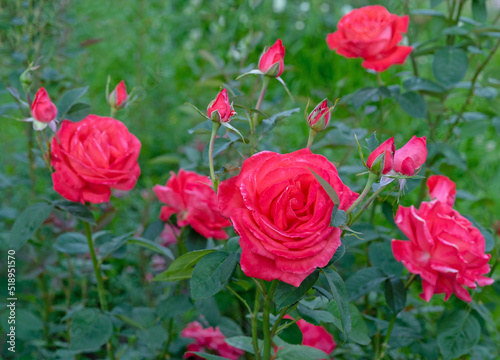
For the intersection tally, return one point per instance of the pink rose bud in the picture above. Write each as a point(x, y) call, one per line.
point(118, 97)
point(371, 33)
point(43, 109)
point(409, 159)
point(381, 159)
point(271, 61)
point(220, 109)
point(320, 117)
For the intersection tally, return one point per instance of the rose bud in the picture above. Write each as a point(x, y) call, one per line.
point(320, 117)
point(43, 109)
point(118, 97)
point(271, 62)
point(381, 159)
point(371, 33)
point(409, 159)
point(220, 109)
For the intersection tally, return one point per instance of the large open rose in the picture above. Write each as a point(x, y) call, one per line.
point(445, 249)
point(371, 33)
point(283, 215)
point(92, 156)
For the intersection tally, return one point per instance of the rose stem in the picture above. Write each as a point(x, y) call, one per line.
point(371, 179)
point(255, 322)
point(100, 285)
point(215, 128)
point(265, 319)
point(368, 202)
point(385, 344)
point(253, 124)
point(310, 140)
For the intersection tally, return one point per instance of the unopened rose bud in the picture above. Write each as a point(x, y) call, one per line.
point(220, 109)
point(118, 97)
point(42, 108)
point(381, 159)
point(319, 118)
point(271, 62)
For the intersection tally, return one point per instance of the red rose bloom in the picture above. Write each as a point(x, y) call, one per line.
point(42, 108)
point(283, 215)
point(206, 340)
point(445, 249)
point(316, 337)
point(409, 159)
point(272, 61)
point(190, 196)
point(371, 33)
point(92, 156)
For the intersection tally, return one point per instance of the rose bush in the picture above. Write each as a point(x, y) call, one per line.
point(283, 215)
point(445, 249)
point(93, 156)
point(373, 34)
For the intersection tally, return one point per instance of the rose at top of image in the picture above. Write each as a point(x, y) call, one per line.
point(220, 109)
point(315, 336)
point(319, 118)
point(283, 214)
point(208, 340)
point(444, 248)
point(118, 97)
point(382, 157)
point(42, 108)
point(272, 61)
point(191, 197)
point(373, 34)
point(93, 156)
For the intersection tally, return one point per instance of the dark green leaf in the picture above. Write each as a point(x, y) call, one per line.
point(381, 257)
point(211, 274)
point(291, 334)
point(78, 112)
point(113, 244)
point(457, 333)
point(182, 267)
point(449, 65)
point(300, 352)
point(208, 356)
point(327, 187)
point(372, 142)
point(90, 329)
point(287, 294)
point(151, 245)
point(129, 321)
point(338, 218)
point(154, 230)
point(359, 332)
point(364, 281)
point(315, 317)
point(203, 128)
point(416, 83)
point(339, 254)
point(268, 124)
point(69, 99)
point(72, 243)
point(174, 306)
point(153, 337)
point(27, 223)
point(362, 96)
point(413, 104)
point(339, 292)
point(435, 3)
point(242, 342)
point(479, 11)
point(395, 294)
point(79, 211)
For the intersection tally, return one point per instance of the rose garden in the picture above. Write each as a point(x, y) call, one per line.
point(268, 180)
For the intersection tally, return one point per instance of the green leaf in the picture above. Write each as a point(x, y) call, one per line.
point(79, 211)
point(315, 317)
point(372, 142)
point(435, 3)
point(78, 112)
point(212, 273)
point(413, 104)
point(415, 84)
point(381, 257)
point(339, 292)
point(364, 281)
point(232, 128)
point(338, 217)
point(203, 128)
point(362, 96)
point(113, 244)
point(395, 294)
point(153, 337)
point(72, 243)
point(339, 254)
point(27, 223)
point(209, 356)
point(174, 306)
point(479, 11)
point(129, 321)
point(69, 99)
point(292, 333)
point(269, 123)
point(359, 332)
point(151, 245)
point(242, 342)
point(457, 333)
point(90, 329)
point(287, 294)
point(300, 352)
point(153, 230)
point(182, 267)
point(449, 65)
point(327, 187)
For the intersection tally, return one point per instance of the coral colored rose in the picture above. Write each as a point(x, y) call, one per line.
point(319, 118)
point(221, 109)
point(409, 159)
point(93, 156)
point(371, 33)
point(42, 108)
point(272, 61)
point(283, 215)
point(190, 196)
point(118, 97)
point(208, 340)
point(445, 249)
point(384, 153)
